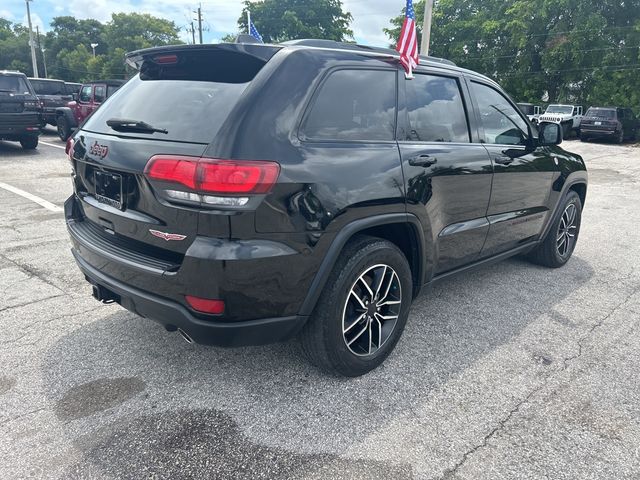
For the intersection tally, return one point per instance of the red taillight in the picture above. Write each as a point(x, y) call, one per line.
point(174, 170)
point(205, 305)
point(213, 176)
point(69, 149)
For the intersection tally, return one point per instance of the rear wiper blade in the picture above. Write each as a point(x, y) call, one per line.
point(123, 124)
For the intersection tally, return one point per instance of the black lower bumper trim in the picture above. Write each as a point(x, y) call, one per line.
point(175, 316)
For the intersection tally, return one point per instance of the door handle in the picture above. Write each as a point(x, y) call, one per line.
point(423, 161)
point(503, 160)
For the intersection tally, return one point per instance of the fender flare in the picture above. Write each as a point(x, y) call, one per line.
point(341, 239)
point(576, 178)
point(68, 114)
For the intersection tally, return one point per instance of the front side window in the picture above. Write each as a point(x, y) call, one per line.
point(435, 110)
point(501, 122)
point(85, 94)
point(354, 105)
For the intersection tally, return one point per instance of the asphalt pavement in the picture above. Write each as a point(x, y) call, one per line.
point(510, 372)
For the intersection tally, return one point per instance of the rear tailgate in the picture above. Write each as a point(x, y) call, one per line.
point(185, 94)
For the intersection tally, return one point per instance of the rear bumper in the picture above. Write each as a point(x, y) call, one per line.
point(173, 315)
point(19, 124)
point(592, 132)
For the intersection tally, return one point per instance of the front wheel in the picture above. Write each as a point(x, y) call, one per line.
point(558, 246)
point(64, 130)
point(362, 310)
point(29, 143)
point(620, 137)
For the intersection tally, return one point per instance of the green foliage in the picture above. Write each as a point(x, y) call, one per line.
point(281, 20)
point(68, 45)
point(561, 50)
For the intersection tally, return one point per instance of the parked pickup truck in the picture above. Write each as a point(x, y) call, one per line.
point(91, 96)
point(567, 116)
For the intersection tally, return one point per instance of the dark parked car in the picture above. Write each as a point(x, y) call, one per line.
point(52, 94)
point(243, 194)
point(90, 97)
point(73, 88)
point(19, 110)
point(617, 123)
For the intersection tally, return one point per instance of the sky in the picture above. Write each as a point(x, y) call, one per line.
point(220, 16)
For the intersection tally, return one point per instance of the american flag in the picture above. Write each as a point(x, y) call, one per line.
point(408, 41)
point(253, 31)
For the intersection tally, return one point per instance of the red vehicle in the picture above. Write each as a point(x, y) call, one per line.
point(89, 99)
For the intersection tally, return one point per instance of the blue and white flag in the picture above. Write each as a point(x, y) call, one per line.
point(253, 31)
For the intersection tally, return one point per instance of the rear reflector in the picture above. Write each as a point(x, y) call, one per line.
point(69, 149)
point(208, 175)
point(205, 305)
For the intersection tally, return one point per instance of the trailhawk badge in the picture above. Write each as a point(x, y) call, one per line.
point(167, 236)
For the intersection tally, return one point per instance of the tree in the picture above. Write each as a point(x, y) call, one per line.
point(281, 20)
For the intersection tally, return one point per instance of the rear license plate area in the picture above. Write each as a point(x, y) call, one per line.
point(109, 189)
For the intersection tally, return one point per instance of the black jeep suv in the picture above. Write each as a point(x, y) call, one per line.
point(616, 123)
point(244, 194)
point(19, 110)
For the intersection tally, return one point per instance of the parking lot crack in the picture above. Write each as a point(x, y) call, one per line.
point(450, 472)
point(32, 272)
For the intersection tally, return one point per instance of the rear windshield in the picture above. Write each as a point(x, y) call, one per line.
point(526, 109)
point(190, 111)
point(601, 113)
point(13, 84)
point(49, 88)
point(72, 88)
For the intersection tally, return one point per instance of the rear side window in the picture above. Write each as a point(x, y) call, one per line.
point(435, 109)
point(43, 87)
point(354, 105)
point(98, 94)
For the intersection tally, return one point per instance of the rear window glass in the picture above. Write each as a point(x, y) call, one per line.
point(13, 84)
point(191, 111)
point(49, 88)
point(601, 113)
point(354, 105)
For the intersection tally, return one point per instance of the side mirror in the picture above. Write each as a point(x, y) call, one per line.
point(549, 134)
point(75, 97)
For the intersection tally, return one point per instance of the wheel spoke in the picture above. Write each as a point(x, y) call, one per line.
point(386, 317)
point(390, 302)
point(386, 292)
point(366, 285)
point(379, 333)
point(359, 334)
point(355, 322)
point(381, 281)
point(572, 214)
point(370, 337)
point(360, 302)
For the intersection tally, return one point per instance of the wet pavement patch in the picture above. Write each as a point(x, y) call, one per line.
point(6, 384)
point(207, 443)
point(97, 396)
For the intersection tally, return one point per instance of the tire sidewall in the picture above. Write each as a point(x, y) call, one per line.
point(349, 363)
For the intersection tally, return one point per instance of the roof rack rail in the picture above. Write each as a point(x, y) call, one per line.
point(310, 42)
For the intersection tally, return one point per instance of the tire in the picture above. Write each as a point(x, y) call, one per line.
point(341, 336)
point(552, 252)
point(620, 137)
point(29, 143)
point(64, 130)
point(566, 131)
point(583, 138)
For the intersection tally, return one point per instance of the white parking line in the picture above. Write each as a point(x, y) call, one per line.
point(52, 145)
point(40, 201)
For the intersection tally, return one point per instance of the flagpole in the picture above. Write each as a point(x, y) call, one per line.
point(248, 22)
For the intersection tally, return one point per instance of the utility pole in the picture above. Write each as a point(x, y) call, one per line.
point(34, 60)
point(44, 60)
point(426, 27)
point(199, 13)
point(193, 34)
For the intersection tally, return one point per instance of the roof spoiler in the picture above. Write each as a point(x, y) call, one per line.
point(257, 50)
